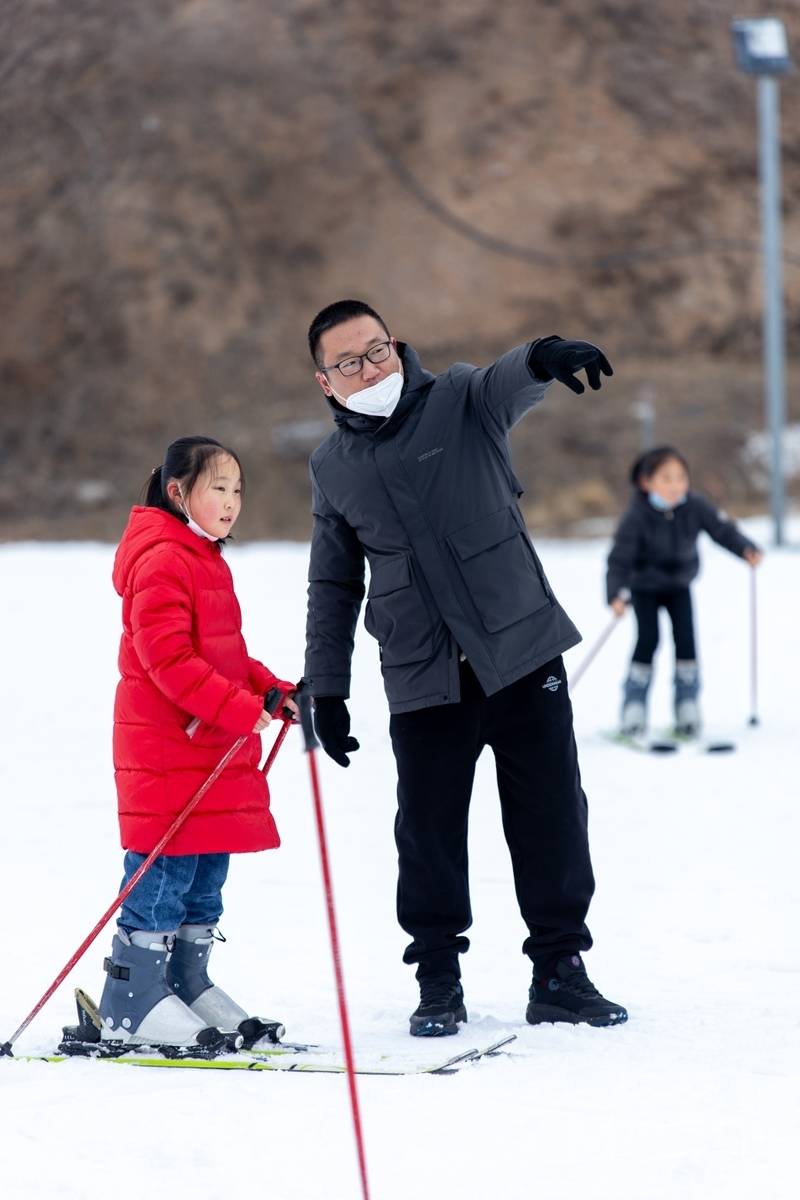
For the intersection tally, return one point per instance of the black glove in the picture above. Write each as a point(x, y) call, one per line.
point(553, 358)
point(332, 723)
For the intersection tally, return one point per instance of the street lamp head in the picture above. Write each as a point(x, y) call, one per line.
point(761, 46)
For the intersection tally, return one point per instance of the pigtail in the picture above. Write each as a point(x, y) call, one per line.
point(152, 493)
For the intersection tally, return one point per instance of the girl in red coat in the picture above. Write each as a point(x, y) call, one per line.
point(183, 665)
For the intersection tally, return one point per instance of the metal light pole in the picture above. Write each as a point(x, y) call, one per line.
point(762, 50)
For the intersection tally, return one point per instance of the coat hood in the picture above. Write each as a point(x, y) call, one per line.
point(147, 527)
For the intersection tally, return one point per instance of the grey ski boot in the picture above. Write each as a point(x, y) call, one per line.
point(687, 691)
point(138, 1007)
point(633, 722)
point(187, 975)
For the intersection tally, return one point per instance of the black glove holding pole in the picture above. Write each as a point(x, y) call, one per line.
point(332, 723)
point(554, 358)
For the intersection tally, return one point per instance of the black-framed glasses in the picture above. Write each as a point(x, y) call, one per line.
point(351, 366)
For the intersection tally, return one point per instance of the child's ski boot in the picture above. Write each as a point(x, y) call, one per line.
point(687, 690)
point(633, 722)
point(139, 1008)
point(86, 1038)
point(187, 975)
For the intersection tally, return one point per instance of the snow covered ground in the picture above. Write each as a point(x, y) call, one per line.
point(695, 922)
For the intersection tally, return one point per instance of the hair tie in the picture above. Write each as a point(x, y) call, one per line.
point(155, 470)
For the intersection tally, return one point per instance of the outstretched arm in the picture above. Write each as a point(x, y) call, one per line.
point(508, 388)
point(726, 533)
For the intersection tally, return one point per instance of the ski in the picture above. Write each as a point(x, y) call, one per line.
point(702, 745)
point(282, 1057)
point(670, 743)
point(451, 1064)
point(643, 744)
point(84, 1041)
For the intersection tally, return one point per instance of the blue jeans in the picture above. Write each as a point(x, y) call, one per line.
point(180, 889)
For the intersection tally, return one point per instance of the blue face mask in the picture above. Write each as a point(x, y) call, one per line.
point(662, 505)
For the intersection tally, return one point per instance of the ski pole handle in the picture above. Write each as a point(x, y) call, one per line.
point(272, 700)
point(306, 719)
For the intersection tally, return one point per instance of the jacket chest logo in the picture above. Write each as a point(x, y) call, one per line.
point(429, 453)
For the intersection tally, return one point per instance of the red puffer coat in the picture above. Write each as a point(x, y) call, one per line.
point(182, 655)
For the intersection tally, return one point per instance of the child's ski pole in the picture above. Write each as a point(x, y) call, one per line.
point(271, 702)
point(311, 743)
point(276, 745)
point(595, 650)
point(753, 651)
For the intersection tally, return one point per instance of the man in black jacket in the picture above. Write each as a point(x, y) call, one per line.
point(417, 479)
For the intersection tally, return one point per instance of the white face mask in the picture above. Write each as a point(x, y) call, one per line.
point(379, 400)
point(195, 528)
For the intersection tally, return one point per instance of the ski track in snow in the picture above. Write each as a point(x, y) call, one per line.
point(695, 923)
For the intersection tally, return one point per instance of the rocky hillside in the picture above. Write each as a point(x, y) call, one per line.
point(185, 182)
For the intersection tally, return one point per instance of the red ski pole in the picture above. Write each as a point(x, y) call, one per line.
point(276, 745)
point(271, 703)
point(311, 744)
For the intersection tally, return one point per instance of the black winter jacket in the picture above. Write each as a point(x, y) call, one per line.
point(656, 551)
point(429, 498)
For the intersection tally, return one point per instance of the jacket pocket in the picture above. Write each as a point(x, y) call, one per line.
point(397, 614)
point(501, 571)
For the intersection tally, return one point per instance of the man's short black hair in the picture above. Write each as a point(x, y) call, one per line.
point(336, 314)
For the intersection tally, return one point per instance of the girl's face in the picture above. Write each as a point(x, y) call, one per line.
point(215, 501)
point(670, 481)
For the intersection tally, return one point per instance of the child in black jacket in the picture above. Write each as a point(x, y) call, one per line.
point(652, 562)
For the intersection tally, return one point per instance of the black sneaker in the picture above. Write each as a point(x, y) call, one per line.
point(440, 1009)
point(569, 995)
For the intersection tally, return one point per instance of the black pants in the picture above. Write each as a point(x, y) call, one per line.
point(678, 604)
point(528, 726)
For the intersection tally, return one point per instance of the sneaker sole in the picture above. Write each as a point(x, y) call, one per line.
point(442, 1025)
point(545, 1014)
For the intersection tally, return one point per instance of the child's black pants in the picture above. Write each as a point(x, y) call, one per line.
point(528, 726)
point(678, 604)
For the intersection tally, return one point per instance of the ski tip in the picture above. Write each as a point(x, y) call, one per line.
point(497, 1046)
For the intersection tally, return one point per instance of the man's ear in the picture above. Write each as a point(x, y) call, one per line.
point(322, 380)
